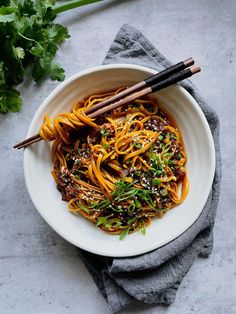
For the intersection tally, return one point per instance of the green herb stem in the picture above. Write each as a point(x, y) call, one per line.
point(71, 5)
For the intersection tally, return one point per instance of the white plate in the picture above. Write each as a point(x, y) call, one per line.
point(84, 234)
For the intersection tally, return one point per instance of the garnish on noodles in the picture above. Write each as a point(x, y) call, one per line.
point(121, 170)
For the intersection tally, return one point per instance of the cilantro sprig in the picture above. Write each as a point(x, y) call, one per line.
point(29, 37)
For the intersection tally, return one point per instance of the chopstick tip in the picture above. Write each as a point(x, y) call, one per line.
point(189, 62)
point(195, 69)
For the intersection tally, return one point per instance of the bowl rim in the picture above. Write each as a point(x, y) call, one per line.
point(64, 85)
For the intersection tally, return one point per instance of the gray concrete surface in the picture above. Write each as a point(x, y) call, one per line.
point(39, 271)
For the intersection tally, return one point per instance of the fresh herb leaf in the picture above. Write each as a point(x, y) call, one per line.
point(10, 100)
point(7, 14)
point(57, 73)
point(2, 74)
point(14, 70)
point(45, 66)
point(37, 50)
point(29, 37)
point(20, 52)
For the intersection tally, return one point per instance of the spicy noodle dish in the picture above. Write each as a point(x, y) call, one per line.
point(122, 169)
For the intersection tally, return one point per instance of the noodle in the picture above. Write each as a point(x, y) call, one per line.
point(122, 169)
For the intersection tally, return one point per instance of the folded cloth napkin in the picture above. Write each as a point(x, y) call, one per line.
point(154, 277)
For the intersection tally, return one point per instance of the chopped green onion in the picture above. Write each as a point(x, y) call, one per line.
point(134, 105)
point(137, 203)
point(166, 148)
point(85, 209)
point(178, 157)
point(137, 145)
point(131, 208)
point(156, 181)
point(104, 132)
point(124, 233)
point(105, 145)
point(114, 222)
point(163, 192)
point(117, 209)
point(131, 220)
point(166, 161)
point(102, 204)
point(101, 221)
point(143, 228)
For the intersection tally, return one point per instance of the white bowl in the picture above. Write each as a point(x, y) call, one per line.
point(81, 232)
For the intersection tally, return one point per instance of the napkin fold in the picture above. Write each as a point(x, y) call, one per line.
point(154, 277)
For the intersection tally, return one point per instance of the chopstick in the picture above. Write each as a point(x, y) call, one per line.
point(153, 79)
point(148, 90)
point(29, 141)
point(151, 84)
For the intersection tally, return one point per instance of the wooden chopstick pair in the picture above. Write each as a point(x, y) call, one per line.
point(154, 83)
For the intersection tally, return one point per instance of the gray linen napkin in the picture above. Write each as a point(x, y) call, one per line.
point(154, 277)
